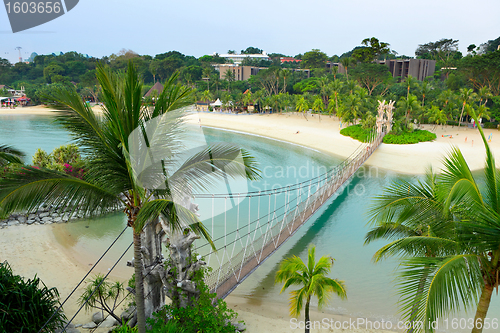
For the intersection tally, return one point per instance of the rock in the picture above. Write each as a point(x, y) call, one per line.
point(48, 222)
point(37, 219)
point(44, 214)
point(89, 325)
point(12, 222)
point(41, 222)
point(58, 220)
point(29, 222)
point(127, 314)
point(109, 322)
point(240, 326)
point(46, 219)
point(31, 216)
point(22, 219)
point(97, 317)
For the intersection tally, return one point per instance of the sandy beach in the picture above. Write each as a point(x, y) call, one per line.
point(34, 249)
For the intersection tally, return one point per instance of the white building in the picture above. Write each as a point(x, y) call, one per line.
point(238, 58)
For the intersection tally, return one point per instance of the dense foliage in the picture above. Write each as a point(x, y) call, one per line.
point(25, 305)
point(206, 315)
point(357, 132)
point(409, 137)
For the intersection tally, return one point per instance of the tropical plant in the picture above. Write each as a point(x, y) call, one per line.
point(111, 179)
point(408, 105)
point(27, 305)
point(302, 106)
point(457, 263)
point(437, 116)
point(313, 280)
point(10, 155)
point(466, 96)
point(103, 295)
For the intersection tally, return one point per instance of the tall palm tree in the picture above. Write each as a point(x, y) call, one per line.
point(111, 179)
point(318, 106)
point(335, 88)
point(437, 116)
point(408, 105)
point(466, 96)
point(425, 88)
point(313, 279)
point(302, 105)
point(464, 220)
point(408, 83)
point(347, 62)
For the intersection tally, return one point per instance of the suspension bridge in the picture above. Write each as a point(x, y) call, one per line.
point(249, 233)
point(258, 223)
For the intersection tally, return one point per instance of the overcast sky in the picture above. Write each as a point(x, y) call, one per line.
point(194, 27)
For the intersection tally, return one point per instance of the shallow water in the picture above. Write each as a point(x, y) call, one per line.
point(338, 229)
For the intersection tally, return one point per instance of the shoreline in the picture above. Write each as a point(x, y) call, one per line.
point(324, 136)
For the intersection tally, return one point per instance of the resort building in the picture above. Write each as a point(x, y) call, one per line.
point(418, 68)
point(242, 73)
point(237, 59)
point(289, 59)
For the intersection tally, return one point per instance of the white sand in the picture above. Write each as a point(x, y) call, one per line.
point(35, 249)
point(325, 135)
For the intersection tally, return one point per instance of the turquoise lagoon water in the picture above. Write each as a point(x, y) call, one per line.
point(338, 229)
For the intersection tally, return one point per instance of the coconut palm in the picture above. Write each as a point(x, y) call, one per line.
point(466, 96)
point(408, 83)
point(425, 88)
point(437, 116)
point(347, 62)
point(302, 105)
point(111, 179)
point(349, 112)
point(408, 105)
point(313, 279)
point(463, 218)
point(335, 88)
point(318, 106)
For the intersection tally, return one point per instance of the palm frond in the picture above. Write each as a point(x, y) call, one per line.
point(28, 188)
point(10, 155)
point(178, 217)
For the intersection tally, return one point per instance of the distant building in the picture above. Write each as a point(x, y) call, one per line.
point(158, 87)
point(237, 59)
point(418, 68)
point(242, 73)
point(289, 59)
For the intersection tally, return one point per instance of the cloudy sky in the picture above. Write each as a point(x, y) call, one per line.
point(194, 27)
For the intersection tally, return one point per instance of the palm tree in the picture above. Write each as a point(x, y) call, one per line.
point(336, 88)
point(347, 62)
point(350, 109)
point(437, 116)
point(425, 89)
point(463, 220)
point(466, 95)
point(302, 105)
point(484, 93)
point(313, 281)
point(408, 105)
point(318, 106)
point(229, 77)
point(408, 83)
point(111, 179)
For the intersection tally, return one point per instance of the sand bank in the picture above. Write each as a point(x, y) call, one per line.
point(325, 135)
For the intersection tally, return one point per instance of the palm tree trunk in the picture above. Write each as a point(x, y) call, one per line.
point(139, 284)
point(482, 307)
point(307, 320)
point(461, 113)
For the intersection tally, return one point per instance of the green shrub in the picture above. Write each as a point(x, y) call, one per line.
point(357, 132)
point(206, 315)
point(452, 122)
point(65, 158)
point(25, 306)
point(409, 137)
point(490, 125)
